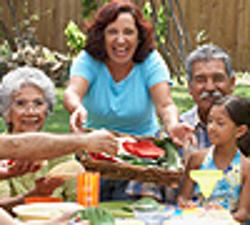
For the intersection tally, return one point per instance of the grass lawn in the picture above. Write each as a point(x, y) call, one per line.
point(58, 121)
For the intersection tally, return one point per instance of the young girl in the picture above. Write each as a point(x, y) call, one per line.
point(228, 122)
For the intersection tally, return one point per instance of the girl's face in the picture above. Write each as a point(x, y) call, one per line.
point(28, 111)
point(121, 39)
point(221, 129)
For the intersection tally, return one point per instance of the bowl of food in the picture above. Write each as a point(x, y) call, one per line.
point(44, 211)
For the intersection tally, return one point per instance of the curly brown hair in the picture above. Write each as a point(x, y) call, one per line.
point(107, 14)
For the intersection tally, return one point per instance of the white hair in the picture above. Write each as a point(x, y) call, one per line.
point(26, 75)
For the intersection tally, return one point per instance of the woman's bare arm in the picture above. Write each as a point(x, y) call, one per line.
point(180, 133)
point(73, 102)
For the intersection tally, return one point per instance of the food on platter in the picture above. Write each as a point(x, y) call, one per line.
point(44, 211)
point(145, 159)
point(144, 152)
point(8, 164)
point(143, 149)
point(66, 170)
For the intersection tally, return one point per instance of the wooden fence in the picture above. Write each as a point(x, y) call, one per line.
point(224, 22)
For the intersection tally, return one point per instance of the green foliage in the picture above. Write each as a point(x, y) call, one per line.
point(147, 10)
point(96, 216)
point(75, 38)
point(5, 49)
point(181, 98)
point(161, 25)
point(160, 22)
point(89, 6)
point(243, 91)
point(58, 122)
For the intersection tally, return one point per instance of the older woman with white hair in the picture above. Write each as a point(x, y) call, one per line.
point(27, 97)
point(15, 96)
point(30, 80)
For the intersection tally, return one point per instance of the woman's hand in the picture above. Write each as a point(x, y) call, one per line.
point(14, 168)
point(45, 186)
point(78, 118)
point(182, 134)
point(73, 95)
point(102, 141)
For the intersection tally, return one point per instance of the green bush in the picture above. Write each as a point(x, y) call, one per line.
point(75, 38)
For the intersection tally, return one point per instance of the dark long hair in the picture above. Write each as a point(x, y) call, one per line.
point(239, 112)
point(107, 14)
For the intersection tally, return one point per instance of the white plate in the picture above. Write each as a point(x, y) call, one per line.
point(44, 211)
point(128, 222)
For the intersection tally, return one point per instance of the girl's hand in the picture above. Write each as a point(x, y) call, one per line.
point(102, 141)
point(185, 203)
point(78, 118)
point(241, 215)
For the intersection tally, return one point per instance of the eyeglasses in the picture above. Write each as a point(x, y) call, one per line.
point(25, 105)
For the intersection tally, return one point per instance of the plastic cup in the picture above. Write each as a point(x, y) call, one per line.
point(88, 188)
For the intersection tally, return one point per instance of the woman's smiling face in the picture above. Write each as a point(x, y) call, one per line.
point(121, 39)
point(28, 110)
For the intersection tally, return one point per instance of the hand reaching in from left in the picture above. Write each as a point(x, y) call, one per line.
point(102, 141)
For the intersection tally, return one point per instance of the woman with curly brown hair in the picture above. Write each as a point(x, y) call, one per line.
point(120, 81)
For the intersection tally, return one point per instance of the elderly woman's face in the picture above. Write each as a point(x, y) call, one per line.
point(121, 39)
point(28, 110)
